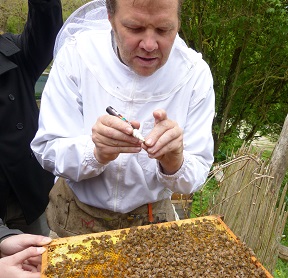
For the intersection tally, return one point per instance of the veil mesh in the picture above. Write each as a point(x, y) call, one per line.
point(92, 15)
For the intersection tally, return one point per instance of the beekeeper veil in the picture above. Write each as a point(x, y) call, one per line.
point(91, 16)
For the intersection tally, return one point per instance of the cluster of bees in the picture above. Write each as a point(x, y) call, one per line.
point(197, 249)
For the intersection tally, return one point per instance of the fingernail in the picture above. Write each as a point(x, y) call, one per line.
point(41, 250)
point(129, 130)
point(148, 141)
point(46, 240)
point(151, 152)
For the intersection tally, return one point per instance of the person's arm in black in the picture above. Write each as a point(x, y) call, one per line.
point(38, 38)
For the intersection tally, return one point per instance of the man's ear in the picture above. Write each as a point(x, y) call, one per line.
point(111, 19)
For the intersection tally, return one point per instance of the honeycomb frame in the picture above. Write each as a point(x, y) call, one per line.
point(205, 244)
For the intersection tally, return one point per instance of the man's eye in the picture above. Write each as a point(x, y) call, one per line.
point(134, 29)
point(162, 31)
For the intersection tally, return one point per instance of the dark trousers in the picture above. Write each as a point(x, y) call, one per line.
point(12, 214)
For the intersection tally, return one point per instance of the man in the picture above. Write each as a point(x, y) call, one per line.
point(19, 256)
point(24, 185)
point(135, 62)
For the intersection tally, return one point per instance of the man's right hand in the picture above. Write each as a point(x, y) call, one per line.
point(113, 136)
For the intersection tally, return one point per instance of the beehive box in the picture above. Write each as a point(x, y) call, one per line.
point(199, 247)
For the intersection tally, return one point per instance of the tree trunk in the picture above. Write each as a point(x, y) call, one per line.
point(279, 158)
point(230, 90)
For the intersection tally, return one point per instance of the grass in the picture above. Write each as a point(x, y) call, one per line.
point(281, 270)
point(282, 266)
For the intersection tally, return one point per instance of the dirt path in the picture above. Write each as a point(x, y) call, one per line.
point(264, 143)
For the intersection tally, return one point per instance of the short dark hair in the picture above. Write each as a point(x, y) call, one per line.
point(111, 6)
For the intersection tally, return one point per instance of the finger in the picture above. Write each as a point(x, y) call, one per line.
point(123, 126)
point(135, 124)
point(158, 131)
point(119, 149)
point(144, 146)
point(35, 240)
point(24, 255)
point(159, 115)
point(108, 149)
point(28, 274)
point(170, 141)
point(35, 260)
point(32, 240)
point(117, 124)
point(111, 137)
point(29, 267)
point(115, 138)
point(16, 243)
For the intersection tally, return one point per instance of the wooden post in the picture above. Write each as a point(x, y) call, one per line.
point(283, 252)
point(279, 158)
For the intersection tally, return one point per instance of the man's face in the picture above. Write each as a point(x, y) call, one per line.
point(145, 31)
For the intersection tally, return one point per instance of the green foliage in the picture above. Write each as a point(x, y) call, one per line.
point(245, 44)
point(281, 269)
point(15, 24)
point(202, 198)
point(16, 13)
point(285, 181)
point(282, 266)
point(284, 240)
point(228, 146)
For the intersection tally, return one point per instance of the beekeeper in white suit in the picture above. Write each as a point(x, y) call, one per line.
point(126, 54)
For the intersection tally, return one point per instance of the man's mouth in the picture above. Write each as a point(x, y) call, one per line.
point(147, 59)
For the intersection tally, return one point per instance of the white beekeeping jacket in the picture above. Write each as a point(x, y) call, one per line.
point(86, 77)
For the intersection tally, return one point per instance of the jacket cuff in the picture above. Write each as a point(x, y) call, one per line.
point(175, 176)
point(90, 158)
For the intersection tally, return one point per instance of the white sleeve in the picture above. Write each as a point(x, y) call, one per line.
point(198, 142)
point(60, 144)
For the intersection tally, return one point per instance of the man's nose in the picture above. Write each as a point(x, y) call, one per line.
point(149, 41)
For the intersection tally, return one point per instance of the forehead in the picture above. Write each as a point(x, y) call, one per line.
point(156, 8)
